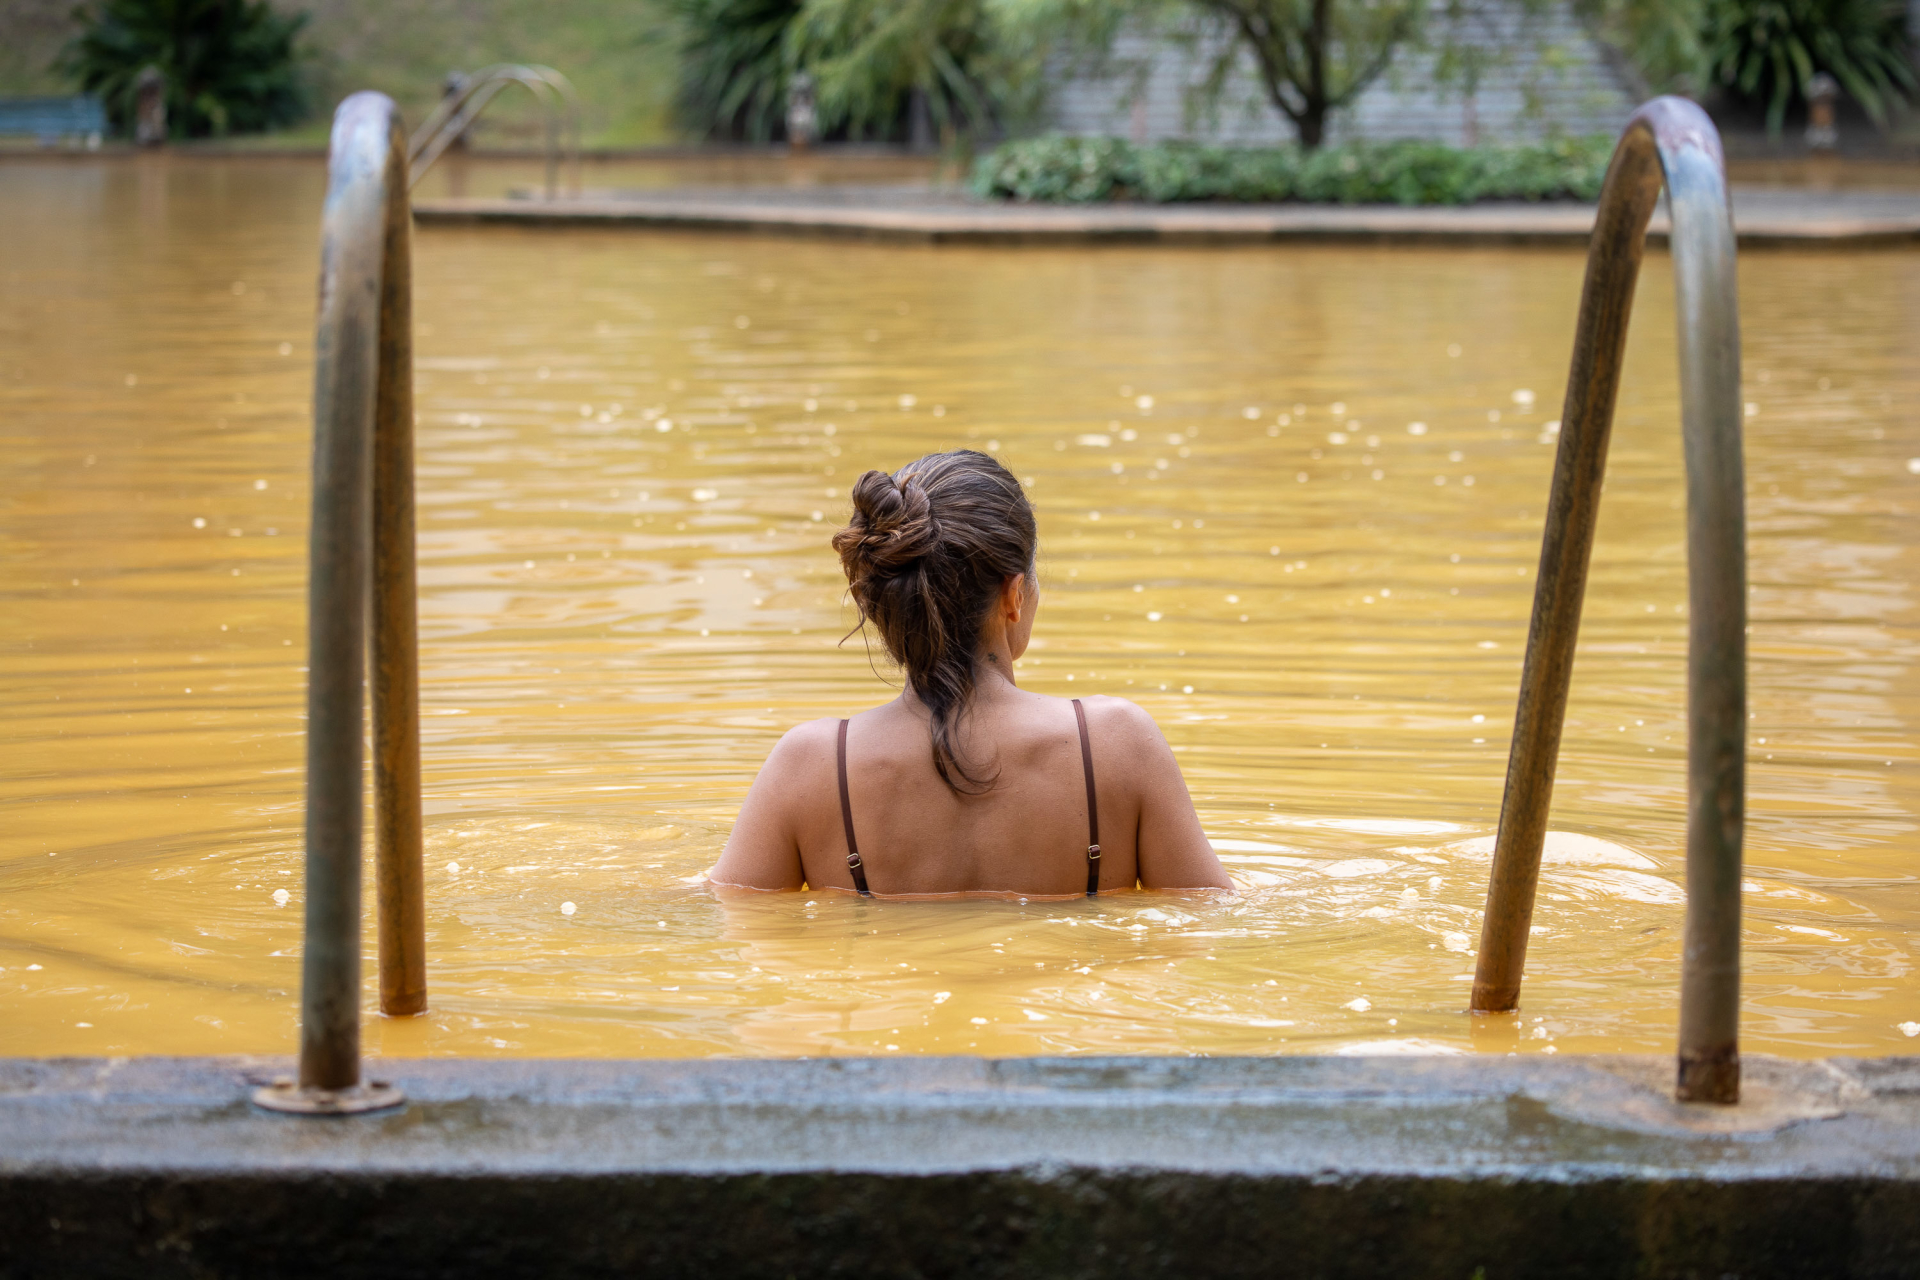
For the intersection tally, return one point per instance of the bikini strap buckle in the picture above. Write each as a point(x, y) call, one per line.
point(1093, 853)
point(853, 861)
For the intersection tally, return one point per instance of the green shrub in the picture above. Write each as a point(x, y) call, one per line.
point(970, 64)
point(1767, 50)
point(1661, 38)
point(230, 64)
point(1088, 170)
point(733, 66)
point(871, 57)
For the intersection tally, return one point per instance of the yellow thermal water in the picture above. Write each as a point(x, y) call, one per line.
point(632, 450)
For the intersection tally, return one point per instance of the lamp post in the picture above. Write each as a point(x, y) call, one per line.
point(1823, 93)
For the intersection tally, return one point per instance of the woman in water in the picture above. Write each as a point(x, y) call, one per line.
point(965, 783)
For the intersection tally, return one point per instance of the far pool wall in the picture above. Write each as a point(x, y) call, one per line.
point(1123, 1167)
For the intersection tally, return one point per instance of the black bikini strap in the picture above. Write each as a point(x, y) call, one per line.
point(854, 864)
point(1093, 803)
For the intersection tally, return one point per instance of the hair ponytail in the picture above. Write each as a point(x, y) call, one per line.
point(926, 552)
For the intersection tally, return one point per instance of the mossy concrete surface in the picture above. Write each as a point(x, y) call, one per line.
point(931, 1167)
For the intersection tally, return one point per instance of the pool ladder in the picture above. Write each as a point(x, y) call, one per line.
point(455, 113)
point(360, 589)
point(1670, 139)
point(362, 585)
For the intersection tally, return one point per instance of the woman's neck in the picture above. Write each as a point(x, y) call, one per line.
point(992, 678)
point(993, 674)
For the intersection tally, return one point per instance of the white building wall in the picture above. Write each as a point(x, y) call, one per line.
point(1544, 73)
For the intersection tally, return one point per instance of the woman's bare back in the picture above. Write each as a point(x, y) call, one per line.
point(1027, 834)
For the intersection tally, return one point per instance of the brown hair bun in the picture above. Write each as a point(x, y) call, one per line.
point(893, 523)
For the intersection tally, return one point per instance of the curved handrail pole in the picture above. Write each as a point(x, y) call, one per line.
point(1668, 139)
point(1586, 421)
point(346, 373)
point(1708, 318)
point(570, 99)
point(361, 548)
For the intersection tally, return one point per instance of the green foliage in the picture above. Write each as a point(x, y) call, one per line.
point(1313, 56)
point(976, 63)
point(1767, 50)
point(868, 56)
point(733, 66)
point(622, 56)
point(1088, 170)
point(1661, 38)
point(230, 65)
point(979, 65)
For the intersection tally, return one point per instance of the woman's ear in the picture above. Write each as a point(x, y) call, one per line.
point(1013, 598)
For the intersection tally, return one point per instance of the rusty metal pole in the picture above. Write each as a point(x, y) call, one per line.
point(400, 889)
point(359, 389)
point(1708, 319)
point(1668, 139)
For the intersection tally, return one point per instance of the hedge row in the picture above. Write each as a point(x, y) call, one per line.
point(1090, 170)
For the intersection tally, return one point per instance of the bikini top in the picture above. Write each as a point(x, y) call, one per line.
point(859, 868)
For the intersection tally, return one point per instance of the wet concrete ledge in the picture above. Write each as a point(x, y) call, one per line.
point(1763, 219)
point(934, 1167)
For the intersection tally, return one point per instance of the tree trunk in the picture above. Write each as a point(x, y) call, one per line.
point(1312, 122)
point(1312, 127)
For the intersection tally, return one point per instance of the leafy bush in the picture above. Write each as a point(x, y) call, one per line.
point(1767, 50)
point(1661, 38)
point(733, 66)
point(966, 61)
point(1089, 170)
point(230, 64)
point(871, 56)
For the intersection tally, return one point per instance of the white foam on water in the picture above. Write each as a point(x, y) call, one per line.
point(1398, 1047)
point(1370, 826)
point(1569, 849)
point(1349, 868)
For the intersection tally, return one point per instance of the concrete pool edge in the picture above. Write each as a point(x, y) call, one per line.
point(961, 1166)
point(972, 223)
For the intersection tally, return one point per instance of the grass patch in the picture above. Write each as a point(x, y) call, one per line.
point(618, 53)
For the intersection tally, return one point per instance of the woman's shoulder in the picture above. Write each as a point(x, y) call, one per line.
point(1112, 712)
point(813, 739)
point(1114, 721)
point(807, 742)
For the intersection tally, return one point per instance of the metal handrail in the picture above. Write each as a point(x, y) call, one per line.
point(456, 112)
point(1673, 139)
point(361, 581)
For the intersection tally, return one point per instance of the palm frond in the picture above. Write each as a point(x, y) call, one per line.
point(733, 67)
point(1767, 51)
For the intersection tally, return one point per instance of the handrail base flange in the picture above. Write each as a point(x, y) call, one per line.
point(288, 1098)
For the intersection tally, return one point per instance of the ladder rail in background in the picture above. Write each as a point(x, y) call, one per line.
point(1671, 142)
point(457, 111)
